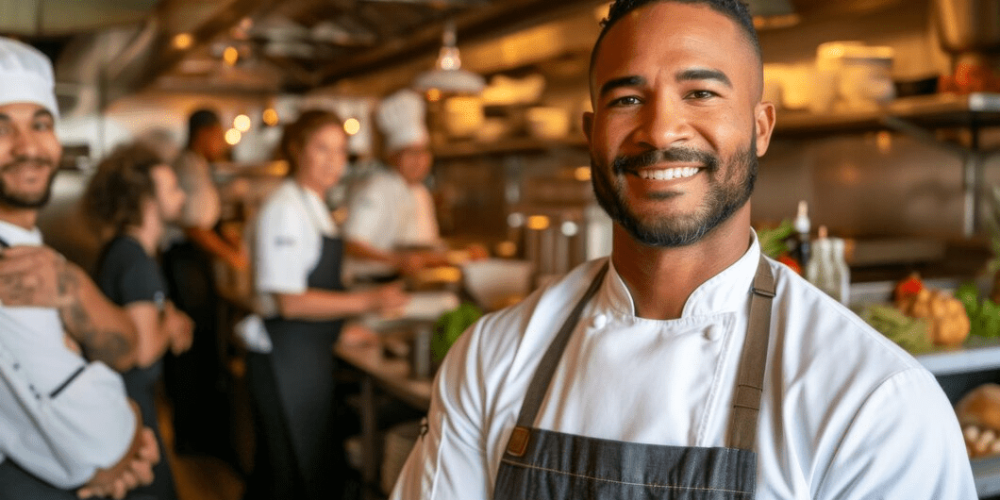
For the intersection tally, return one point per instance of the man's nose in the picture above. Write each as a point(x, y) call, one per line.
point(664, 124)
point(26, 143)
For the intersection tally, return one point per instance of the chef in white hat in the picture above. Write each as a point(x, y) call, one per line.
point(65, 421)
point(391, 226)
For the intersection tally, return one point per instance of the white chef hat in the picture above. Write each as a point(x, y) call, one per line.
point(26, 76)
point(400, 118)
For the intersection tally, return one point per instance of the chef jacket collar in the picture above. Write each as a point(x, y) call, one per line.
point(725, 292)
point(13, 234)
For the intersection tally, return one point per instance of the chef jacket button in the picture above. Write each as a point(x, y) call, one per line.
point(712, 333)
point(599, 321)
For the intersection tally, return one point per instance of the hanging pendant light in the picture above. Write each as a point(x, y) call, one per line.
point(448, 77)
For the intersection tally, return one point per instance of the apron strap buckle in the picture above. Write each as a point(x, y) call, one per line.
point(518, 443)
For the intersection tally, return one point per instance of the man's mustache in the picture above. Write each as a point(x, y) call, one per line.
point(27, 161)
point(629, 164)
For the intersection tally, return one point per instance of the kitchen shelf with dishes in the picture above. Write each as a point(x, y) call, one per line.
point(973, 110)
point(514, 145)
point(931, 111)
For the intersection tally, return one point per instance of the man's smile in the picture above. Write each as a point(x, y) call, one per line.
point(667, 174)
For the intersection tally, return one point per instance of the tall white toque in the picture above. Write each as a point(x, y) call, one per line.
point(401, 118)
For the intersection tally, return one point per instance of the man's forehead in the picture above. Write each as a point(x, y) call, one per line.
point(696, 31)
point(23, 110)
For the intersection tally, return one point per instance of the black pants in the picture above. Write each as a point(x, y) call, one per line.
point(196, 381)
point(17, 484)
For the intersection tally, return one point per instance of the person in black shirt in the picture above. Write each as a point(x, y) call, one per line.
point(134, 193)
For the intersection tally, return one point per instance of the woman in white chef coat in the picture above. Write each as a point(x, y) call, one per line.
point(392, 212)
point(298, 270)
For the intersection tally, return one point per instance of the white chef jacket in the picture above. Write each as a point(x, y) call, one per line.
point(61, 418)
point(288, 241)
point(845, 412)
point(386, 212)
point(202, 205)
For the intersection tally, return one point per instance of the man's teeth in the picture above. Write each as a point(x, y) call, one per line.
point(667, 174)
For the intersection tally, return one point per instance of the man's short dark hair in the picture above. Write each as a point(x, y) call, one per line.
point(201, 119)
point(736, 10)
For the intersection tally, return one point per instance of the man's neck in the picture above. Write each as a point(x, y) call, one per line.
point(200, 151)
point(25, 218)
point(310, 186)
point(660, 280)
point(148, 234)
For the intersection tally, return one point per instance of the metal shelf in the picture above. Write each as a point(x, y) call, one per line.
point(976, 354)
point(515, 145)
point(932, 111)
point(987, 474)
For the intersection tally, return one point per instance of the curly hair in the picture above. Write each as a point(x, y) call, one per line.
point(297, 134)
point(122, 181)
point(736, 10)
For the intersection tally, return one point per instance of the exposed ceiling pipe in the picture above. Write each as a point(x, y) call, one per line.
point(471, 25)
point(139, 69)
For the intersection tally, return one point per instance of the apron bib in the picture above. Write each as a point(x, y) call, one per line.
point(546, 465)
point(302, 364)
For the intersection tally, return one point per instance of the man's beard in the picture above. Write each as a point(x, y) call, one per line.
point(26, 200)
point(724, 198)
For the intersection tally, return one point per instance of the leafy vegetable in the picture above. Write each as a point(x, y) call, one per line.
point(450, 326)
point(984, 314)
point(911, 334)
point(772, 241)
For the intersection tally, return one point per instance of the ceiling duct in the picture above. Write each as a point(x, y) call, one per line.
point(67, 17)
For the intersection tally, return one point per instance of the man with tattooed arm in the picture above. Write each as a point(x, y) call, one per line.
point(66, 427)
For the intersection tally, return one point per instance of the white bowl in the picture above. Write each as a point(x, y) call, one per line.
point(494, 283)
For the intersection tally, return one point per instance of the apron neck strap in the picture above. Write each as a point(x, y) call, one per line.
point(750, 381)
point(749, 384)
point(547, 367)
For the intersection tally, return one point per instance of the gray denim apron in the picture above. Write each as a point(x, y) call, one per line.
point(547, 465)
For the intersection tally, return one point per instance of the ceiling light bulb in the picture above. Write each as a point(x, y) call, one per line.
point(183, 41)
point(352, 126)
point(270, 117)
point(242, 123)
point(233, 137)
point(231, 55)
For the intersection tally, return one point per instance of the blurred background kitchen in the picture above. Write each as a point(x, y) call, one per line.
point(887, 136)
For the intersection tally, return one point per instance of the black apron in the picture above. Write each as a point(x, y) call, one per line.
point(296, 378)
point(547, 465)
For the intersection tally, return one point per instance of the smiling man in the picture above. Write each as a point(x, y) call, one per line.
point(687, 365)
point(65, 421)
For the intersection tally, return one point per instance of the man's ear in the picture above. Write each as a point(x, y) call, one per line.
point(588, 121)
point(764, 117)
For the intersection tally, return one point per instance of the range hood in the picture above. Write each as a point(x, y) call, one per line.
point(62, 17)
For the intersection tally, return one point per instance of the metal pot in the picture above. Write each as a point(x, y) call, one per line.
point(968, 25)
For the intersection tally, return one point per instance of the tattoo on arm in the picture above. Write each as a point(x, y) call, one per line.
point(16, 291)
point(101, 344)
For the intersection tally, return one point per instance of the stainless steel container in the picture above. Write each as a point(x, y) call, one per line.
point(969, 28)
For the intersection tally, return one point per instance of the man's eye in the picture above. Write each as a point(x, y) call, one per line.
point(702, 94)
point(42, 126)
point(628, 100)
